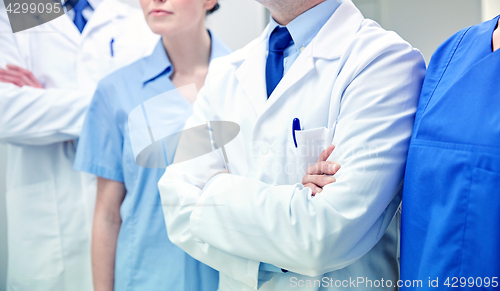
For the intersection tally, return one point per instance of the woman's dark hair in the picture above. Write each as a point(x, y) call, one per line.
point(215, 8)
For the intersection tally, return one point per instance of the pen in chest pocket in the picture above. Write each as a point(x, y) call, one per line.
point(295, 127)
point(111, 47)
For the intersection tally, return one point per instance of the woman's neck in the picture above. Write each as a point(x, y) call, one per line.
point(189, 50)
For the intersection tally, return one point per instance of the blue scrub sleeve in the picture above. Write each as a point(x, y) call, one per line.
point(100, 148)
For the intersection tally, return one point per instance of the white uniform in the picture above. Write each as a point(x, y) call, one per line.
point(49, 205)
point(356, 86)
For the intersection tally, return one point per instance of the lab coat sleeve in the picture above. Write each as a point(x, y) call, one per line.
point(284, 225)
point(180, 188)
point(31, 116)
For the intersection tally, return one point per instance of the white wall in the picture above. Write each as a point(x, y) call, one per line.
point(423, 23)
point(238, 22)
point(491, 8)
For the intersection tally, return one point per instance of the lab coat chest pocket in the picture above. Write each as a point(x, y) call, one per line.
point(33, 232)
point(310, 144)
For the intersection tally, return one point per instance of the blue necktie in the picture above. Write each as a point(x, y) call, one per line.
point(79, 20)
point(278, 42)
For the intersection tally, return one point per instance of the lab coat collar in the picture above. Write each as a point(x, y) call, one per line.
point(251, 71)
point(104, 12)
point(107, 11)
point(338, 32)
point(330, 43)
point(306, 26)
point(94, 3)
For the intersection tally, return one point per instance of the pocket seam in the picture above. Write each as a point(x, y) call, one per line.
point(466, 220)
point(454, 146)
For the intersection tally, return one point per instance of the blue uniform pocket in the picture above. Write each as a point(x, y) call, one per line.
point(481, 245)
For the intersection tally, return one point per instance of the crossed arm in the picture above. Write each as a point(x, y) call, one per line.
point(30, 114)
point(18, 76)
point(284, 225)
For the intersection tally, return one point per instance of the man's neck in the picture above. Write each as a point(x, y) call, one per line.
point(283, 11)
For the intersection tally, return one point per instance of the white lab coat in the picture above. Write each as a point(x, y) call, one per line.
point(356, 86)
point(50, 205)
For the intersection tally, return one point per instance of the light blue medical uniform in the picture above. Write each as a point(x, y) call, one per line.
point(303, 30)
point(146, 260)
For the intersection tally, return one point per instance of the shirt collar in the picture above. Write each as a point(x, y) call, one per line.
point(94, 3)
point(219, 48)
point(158, 62)
point(306, 26)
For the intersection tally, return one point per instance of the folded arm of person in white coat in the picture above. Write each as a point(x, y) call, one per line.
point(244, 218)
point(35, 116)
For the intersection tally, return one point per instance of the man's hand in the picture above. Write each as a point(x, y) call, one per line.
point(315, 176)
point(19, 77)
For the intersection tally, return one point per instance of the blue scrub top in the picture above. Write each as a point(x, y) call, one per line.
point(145, 257)
point(451, 200)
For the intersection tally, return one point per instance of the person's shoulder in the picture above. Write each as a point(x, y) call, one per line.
point(448, 47)
point(371, 37)
point(373, 45)
point(486, 27)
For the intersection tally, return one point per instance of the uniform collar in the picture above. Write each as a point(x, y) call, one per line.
point(158, 62)
point(306, 26)
point(219, 48)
